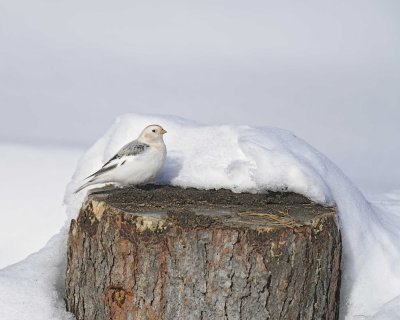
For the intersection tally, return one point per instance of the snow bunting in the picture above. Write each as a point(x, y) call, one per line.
point(137, 162)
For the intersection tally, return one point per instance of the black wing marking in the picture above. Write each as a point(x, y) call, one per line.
point(102, 170)
point(117, 156)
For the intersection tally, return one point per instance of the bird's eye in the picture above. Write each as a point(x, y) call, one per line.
point(154, 130)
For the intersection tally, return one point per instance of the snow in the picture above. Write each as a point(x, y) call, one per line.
point(390, 311)
point(388, 207)
point(31, 185)
point(32, 289)
point(241, 158)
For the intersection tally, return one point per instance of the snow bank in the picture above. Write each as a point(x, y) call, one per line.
point(243, 158)
point(33, 288)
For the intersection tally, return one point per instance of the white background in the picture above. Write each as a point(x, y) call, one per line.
point(327, 70)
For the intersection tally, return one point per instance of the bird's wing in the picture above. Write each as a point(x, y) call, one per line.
point(133, 148)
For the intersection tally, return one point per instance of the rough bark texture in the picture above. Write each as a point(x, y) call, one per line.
point(171, 253)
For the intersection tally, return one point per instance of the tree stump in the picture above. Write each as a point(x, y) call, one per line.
point(161, 252)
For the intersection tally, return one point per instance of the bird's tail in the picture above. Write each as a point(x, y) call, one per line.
point(90, 182)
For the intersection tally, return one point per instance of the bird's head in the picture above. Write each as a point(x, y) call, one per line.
point(152, 134)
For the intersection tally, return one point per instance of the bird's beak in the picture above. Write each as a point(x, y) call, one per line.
point(163, 131)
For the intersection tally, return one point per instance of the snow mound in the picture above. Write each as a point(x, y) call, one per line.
point(239, 158)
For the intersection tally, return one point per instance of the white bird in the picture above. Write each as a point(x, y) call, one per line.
point(136, 163)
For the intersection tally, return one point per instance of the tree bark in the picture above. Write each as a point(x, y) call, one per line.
point(172, 253)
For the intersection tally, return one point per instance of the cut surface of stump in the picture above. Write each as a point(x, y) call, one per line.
point(162, 252)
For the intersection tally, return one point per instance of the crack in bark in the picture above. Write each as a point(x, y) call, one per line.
point(291, 256)
point(315, 295)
